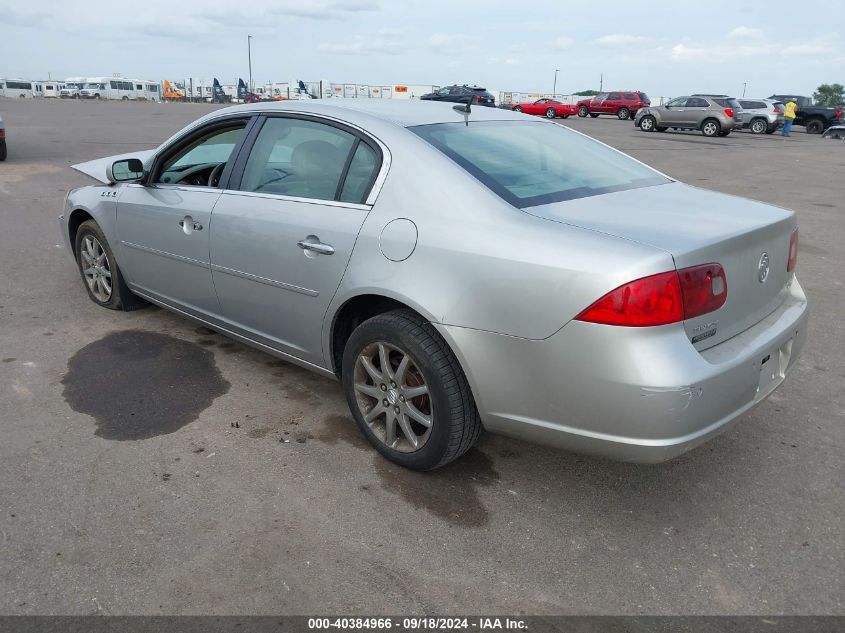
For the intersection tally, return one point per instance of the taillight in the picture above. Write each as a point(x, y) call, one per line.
point(729, 112)
point(704, 288)
point(661, 299)
point(838, 114)
point(793, 251)
point(778, 111)
point(2, 133)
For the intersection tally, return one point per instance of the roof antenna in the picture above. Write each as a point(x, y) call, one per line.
point(466, 110)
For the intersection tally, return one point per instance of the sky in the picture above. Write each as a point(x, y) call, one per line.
point(762, 47)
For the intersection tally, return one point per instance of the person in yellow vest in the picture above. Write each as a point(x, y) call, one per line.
point(789, 116)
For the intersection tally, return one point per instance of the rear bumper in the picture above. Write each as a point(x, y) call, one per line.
point(633, 394)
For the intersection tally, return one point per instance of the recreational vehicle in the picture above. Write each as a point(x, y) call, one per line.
point(71, 87)
point(107, 88)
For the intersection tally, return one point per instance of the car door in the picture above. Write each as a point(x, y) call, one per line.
point(163, 222)
point(596, 103)
point(674, 112)
point(281, 238)
point(696, 110)
point(537, 107)
point(612, 103)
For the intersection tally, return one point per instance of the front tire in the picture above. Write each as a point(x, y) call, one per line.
point(583, 111)
point(624, 114)
point(648, 123)
point(100, 272)
point(407, 391)
point(2, 150)
point(517, 109)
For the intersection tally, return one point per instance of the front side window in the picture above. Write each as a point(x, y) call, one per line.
point(533, 163)
point(202, 160)
point(677, 102)
point(299, 158)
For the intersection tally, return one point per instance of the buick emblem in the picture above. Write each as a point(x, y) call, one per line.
point(763, 268)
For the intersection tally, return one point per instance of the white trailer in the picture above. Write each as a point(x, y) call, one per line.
point(51, 89)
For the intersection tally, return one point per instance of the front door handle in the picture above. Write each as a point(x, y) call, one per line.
point(316, 247)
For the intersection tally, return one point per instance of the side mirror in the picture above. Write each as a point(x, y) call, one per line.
point(125, 170)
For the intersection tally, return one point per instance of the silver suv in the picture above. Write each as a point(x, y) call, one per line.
point(713, 116)
point(761, 115)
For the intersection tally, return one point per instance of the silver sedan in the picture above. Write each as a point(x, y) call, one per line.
point(456, 271)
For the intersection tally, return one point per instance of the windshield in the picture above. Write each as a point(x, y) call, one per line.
point(533, 163)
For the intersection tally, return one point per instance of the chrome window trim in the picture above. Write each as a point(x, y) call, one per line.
point(317, 201)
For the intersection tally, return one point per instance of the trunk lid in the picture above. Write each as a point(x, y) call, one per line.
point(699, 227)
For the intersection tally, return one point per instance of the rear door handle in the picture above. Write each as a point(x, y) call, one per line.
point(317, 247)
point(188, 225)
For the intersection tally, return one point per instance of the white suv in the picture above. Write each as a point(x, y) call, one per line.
point(761, 115)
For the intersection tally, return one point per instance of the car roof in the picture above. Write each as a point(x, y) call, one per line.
point(365, 112)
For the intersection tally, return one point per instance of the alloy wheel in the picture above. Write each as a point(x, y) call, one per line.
point(393, 397)
point(96, 268)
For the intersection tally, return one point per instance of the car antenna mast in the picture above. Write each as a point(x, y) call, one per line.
point(466, 110)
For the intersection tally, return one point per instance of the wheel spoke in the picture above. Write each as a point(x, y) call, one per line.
point(399, 376)
point(106, 286)
point(106, 273)
point(390, 430)
point(368, 390)
point(373, 414)
point(385, 363)
point(414, 392)
point(419, 416)
point(407, 431)
point(367, 364)
point(88, 259)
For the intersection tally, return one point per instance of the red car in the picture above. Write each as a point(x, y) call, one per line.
point(547, 107)
point(624, 104)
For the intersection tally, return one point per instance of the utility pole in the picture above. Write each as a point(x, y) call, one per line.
point(601, 82)
point(249, 56)
point(744, 86)
point(554, 89)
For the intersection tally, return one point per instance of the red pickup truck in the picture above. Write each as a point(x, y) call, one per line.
point(623, 104)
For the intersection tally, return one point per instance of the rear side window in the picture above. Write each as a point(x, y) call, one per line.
point(533, 163)
point(614, 96)
point(299, 158)
point(629, 97)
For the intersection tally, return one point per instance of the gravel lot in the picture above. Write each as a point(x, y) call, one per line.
point(207, 511)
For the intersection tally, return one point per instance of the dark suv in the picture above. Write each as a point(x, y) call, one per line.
point(460, 94)
point(624, 104)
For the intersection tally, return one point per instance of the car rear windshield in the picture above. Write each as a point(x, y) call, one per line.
point(532, 163)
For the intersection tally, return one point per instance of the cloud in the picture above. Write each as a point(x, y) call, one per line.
point(323, 10)
point(809, 49)
point(621, 39)
point(746, 33)
point(562, 43)
point(365, 46)
point(16, 18)
point(457, 40)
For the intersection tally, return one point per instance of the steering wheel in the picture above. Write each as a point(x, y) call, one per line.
point(214, 176)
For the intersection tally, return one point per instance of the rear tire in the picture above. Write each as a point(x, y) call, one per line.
point(103, 281)
point(550, 113)
point(711, 127)
point(758, 126)
point(583, 111)
point(814, 126)
point(2, 150)
point(624, 114)
point(454, 423)
point(593, 114)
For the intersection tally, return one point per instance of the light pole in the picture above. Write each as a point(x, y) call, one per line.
point(744, 86)
point(554, 88)
point(249, 56)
